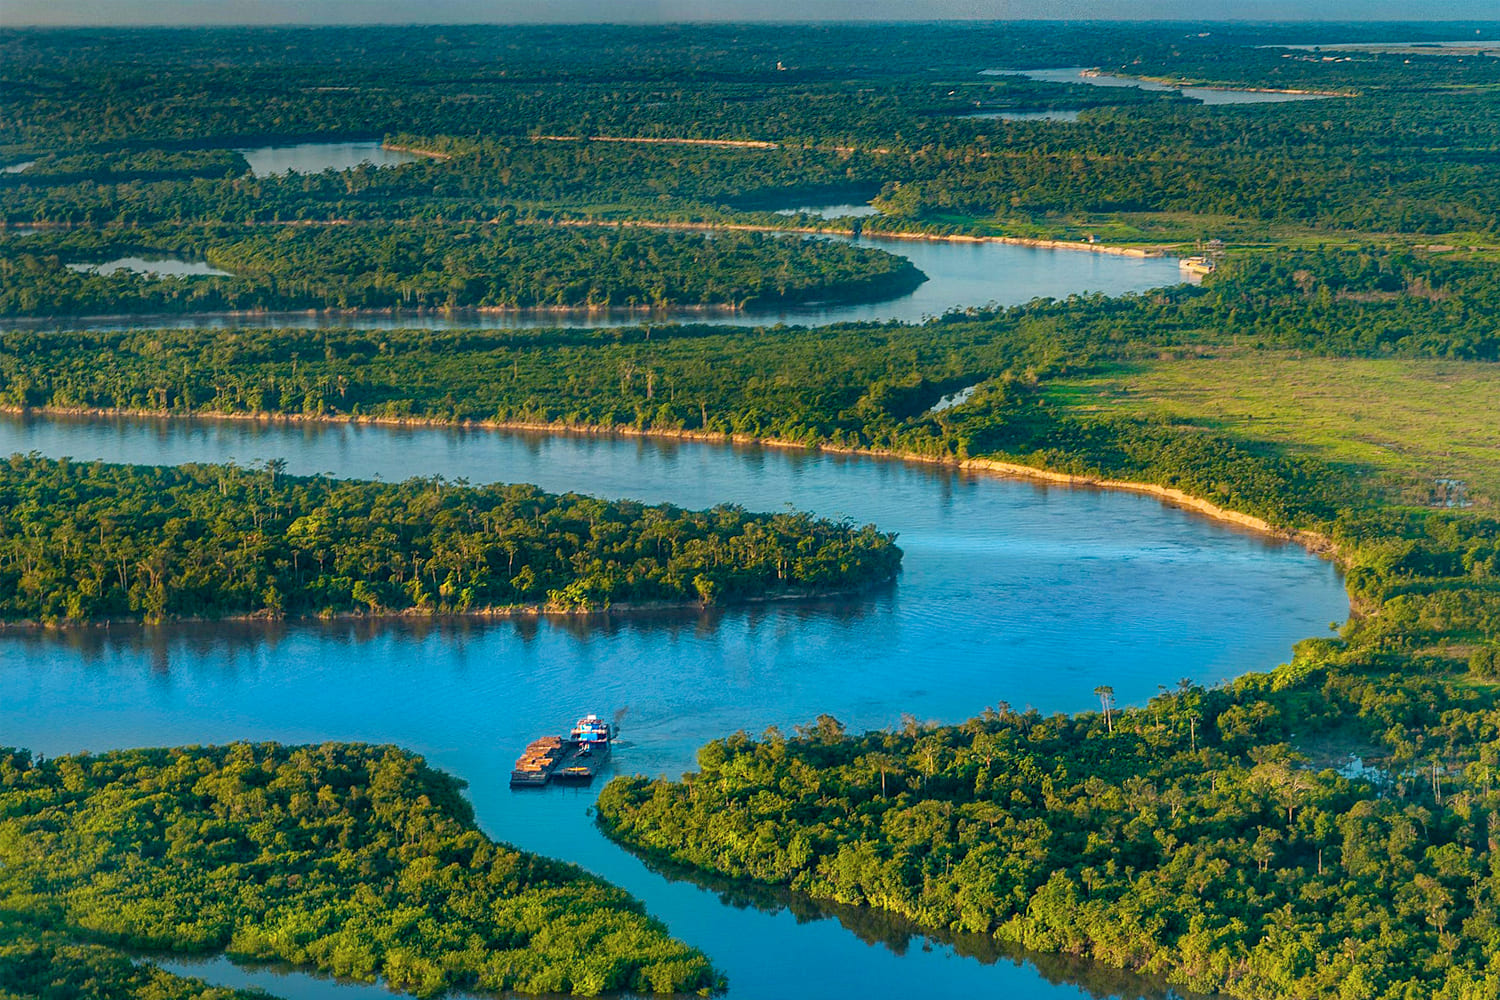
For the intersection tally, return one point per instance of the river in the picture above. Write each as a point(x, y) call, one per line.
point(960, 275)
point(1203, 95)
point(1012, 591)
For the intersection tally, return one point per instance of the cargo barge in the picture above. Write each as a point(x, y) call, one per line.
point(574, 758)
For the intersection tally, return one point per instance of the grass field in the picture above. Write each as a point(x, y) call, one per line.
point(1409, 423)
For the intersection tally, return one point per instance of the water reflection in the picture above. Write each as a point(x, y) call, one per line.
point(960, 275)
point(900, 935)
point(1013, 591)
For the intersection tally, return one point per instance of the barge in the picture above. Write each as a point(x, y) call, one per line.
point(576, 757)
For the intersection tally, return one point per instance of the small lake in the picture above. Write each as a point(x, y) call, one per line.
point(1204, 95)
point(16, 168)
point(1487, 47)
point(1012, 591)
point(1024, 116)
point(832, 211)
point(960, 275)
point(156, 267)
point(316, 157)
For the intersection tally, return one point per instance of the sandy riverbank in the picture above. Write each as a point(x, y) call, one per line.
point(746, 227)
point(1312, 541)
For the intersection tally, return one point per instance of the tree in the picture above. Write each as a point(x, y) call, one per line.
point(1107, 702)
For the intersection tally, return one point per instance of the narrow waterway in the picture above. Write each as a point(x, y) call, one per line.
point(1212, 96)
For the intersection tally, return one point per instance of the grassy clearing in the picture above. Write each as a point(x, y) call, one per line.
point(1407, 422)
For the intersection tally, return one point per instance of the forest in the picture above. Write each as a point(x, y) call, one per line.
point(361, 861)
point(491, 267)
point(1327, 830)
point(49, 965)
point(91, 542)
point(1401, 146)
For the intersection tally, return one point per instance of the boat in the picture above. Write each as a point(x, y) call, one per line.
point(535, 766)
point(578, 757)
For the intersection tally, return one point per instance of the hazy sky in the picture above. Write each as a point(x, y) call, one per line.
point(73, 12)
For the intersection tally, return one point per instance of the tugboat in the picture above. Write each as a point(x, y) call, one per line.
point(576, 758)
point(591, 743)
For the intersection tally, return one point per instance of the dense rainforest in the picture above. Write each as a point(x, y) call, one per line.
point(486, 267)
point(1324, 830)
point(1202, 837)
point(50, 965)
point(83, 542)
point(1402, 146)
point(360, 861)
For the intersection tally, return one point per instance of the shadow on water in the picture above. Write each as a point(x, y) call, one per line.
point(900, 935)
point(202, 642)
point(291, 982)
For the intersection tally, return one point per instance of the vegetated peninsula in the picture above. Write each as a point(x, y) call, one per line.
point(35, 962)
point(88, 542)
point(488, 267)
point(359, 861)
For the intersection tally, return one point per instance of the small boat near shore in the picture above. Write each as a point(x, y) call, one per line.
point(576, 757)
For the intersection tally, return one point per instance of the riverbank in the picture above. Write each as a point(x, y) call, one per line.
point(1154, 250)
point(512, 612)
point(1314, 542)
point(414, 151)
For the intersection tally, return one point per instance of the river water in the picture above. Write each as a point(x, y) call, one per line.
point(1203, 95)
point(315, 157)
point(170, 267)
point(1012, 591)
point(960, 275)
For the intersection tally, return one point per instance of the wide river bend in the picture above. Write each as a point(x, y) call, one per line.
point(1012, 591)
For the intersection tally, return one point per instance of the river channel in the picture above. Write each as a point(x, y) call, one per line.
point(960, 275)
point(1011, 591)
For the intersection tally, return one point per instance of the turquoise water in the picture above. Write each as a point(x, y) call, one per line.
point(1012, 591)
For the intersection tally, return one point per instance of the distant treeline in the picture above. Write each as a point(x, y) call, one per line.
point(359, 861)
point(1407, 150)
point(84, 542)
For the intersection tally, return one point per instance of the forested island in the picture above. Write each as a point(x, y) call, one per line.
point(360, 861)
point(91, 542)
point(1328, 829)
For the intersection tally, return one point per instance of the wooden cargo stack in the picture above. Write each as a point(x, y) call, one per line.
point(537, 763)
